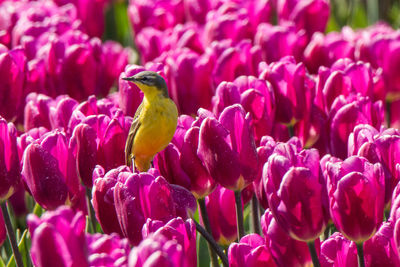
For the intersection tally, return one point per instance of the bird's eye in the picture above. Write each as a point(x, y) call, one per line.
point(144, 79)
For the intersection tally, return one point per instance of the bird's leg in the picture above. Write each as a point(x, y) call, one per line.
point(134, 165)
point(152, 163)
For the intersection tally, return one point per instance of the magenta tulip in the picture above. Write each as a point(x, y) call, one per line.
point(363, 184)
point(227, 148)
point(250, 251)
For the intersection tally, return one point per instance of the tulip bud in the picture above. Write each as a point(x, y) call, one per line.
point(9, 160)
point(227, 148)
point(294, 181)
point(250, 251)
point(361, 183)
point(58, 238)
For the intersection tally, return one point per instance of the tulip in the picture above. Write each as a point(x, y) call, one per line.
point(158, 251)
point(346, 113)
point(381, 249)
point(156, 14)
point(58, 238)
point(141, 196)
point(103, 198)
point(49, 172)
point(184, 232)
point(312, 16)
point(13, 73)
point(292, 88)
point(201, 182)
point(265, 150)
point(196, 10)
point(9, 160)
point(361, 183)
point(220, 205)
point(231, 60)
point(189, 79)
point(277, 42)
point(107, 250)
point(226, 94)
point(338, 251)
point(92, 24)
point(227, 22)
point(250, 251)
point(84, 148)
point(285, 250)
point(288, 174)
point(227, 148)
point(324, 50)
point(167, 162)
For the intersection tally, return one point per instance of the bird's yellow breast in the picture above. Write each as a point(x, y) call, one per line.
point(158, 120)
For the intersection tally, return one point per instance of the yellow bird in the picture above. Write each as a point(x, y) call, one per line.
point(154, 123)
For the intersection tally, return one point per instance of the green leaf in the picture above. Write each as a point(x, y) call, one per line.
point(38, 210)
point(203, 259)
point(23, 247)
point(2, 264)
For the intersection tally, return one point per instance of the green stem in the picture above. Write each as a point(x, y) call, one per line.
point(91, 215)
point(255, 215)
point(291, 130)
point(11, 235)
point(206, 222)
point(313, 253)
point(326, 232)
point(388, 112)
point(360, 253)
point(213, 244)
point(239, 214)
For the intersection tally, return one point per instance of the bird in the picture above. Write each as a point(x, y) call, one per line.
point(154, 123)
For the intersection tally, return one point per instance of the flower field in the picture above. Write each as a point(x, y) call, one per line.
point(286, 152)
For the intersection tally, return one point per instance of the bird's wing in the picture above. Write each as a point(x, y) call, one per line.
point(131, 136)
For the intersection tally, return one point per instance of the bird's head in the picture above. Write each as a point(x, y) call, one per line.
point(149, 82)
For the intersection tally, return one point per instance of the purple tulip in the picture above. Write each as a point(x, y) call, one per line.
point(201, 182)
point(231, 60)
point(103, 198)
point(92, 24)
point(380, 250)
point(285, 250)
point(277, 42)
point(345, 114)
point(250, 251)
point(258, 98)
point(157, 14)
point(221, 212)
point(226, 94)
point(184, 232)
point(141, 196)
point(49, 171)
point(84, 148)
point(158, 251)
point(13, 72)
point(265, 150)
point(196, 10)
point(229, 21)
point(293, 90)
point(227, 148)
point(107, 250)
point(9, 161)
point(343, 78)
point(189, 79)
point(296, 191)
point(58, 239)
point(324, 50)
point(312, 16)
point(167, 162)
point(338, 251)
point(361, 183)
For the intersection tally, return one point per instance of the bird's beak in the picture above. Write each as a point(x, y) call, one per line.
point(131, 79)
